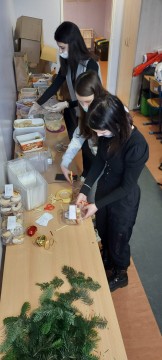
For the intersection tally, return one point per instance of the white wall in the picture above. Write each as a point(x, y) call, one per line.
point(7, 83)
point(108, 19)
point(114, 46)
point(89, 14)
point(7, 87)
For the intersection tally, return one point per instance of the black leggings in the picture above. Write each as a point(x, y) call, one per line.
point(115, 224)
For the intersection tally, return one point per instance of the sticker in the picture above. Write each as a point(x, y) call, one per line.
point(11, 222)
point(72, 212)
point(9, 190)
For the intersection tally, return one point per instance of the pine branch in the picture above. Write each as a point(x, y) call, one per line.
point(56, 330)
point(77, 279)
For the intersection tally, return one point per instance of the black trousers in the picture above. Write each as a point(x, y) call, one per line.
point(115, 224)
point(71, 122)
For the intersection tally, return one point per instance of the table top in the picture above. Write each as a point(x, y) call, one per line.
point(75, 246)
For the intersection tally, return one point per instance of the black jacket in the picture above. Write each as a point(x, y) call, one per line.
point(121, 171)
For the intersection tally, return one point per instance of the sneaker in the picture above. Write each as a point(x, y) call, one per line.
point(118, 280)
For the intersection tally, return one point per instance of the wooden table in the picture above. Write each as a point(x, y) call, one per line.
point(75, 246)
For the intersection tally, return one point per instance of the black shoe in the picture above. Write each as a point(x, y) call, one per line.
point(110, 273)
point(119, 280)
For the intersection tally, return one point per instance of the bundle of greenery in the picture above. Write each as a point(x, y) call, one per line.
point(57, 329)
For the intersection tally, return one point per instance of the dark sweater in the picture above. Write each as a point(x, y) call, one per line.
point(59, 80)
point(121, 171)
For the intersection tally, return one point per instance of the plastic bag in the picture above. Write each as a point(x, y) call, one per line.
point(21, 70)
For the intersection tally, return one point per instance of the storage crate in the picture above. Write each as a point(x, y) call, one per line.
point(88, 35)
point(102, 48)
point(33, 186)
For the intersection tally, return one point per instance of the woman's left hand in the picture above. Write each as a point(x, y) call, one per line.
point(89, 210)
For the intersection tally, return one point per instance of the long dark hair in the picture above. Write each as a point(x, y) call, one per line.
point(108, 113)
point(88, 83)
point(69, 33)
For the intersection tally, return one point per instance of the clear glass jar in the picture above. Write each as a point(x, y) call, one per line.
point(53, 121)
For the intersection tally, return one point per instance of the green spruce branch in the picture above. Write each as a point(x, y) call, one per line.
point(57, 329)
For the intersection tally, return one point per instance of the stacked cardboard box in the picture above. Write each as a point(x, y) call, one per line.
point(28, 32)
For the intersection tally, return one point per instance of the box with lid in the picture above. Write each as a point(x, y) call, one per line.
point(33, 186)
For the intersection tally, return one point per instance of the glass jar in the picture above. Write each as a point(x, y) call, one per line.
point(53, 121)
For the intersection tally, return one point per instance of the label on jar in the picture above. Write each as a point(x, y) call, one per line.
point(49, 161)
point(72, 212)
point(9, 190)
point(11, 222)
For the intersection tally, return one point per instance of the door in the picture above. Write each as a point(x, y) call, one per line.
point(130, 26)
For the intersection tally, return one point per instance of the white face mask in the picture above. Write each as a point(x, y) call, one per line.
point(64, 55)
point(85, 107)
point(107, 135)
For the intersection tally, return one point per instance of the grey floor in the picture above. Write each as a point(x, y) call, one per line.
point(146, 242)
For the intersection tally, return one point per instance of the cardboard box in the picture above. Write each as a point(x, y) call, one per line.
point(49, 53)
point(32, 49)
point(28, 28)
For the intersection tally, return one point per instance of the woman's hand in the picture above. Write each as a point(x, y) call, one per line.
point(89, 210)
point(81, 199)
point(67, 173)
point(60, 106)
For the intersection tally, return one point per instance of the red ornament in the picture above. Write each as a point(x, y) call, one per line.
point(31, 230)
point(49, 207)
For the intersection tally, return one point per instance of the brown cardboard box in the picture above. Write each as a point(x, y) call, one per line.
point(28, 28)
point(49, 53)
point(32, 49)
point(42, 67)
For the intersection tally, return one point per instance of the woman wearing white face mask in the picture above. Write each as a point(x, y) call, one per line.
point(121, 156)
point(88, 87)
point(75, 59)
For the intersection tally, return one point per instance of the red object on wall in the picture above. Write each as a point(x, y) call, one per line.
point(139, 68)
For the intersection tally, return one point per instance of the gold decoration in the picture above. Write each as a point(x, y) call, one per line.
point(42, 241)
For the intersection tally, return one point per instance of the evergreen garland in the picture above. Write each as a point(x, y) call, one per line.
point(56, 330)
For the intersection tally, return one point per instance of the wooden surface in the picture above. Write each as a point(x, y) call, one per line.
point(74, 245)
point(148, 77)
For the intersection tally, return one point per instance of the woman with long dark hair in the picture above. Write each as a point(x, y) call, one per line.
point(88, 87)
point(121, 156)
point(75, 59)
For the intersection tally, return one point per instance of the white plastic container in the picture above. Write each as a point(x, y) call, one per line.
point(30, 142)
point(27, 92)
point(23, 131)
point(39, 159)
point(40, 82)
point(33, 186)
point(36, 123)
